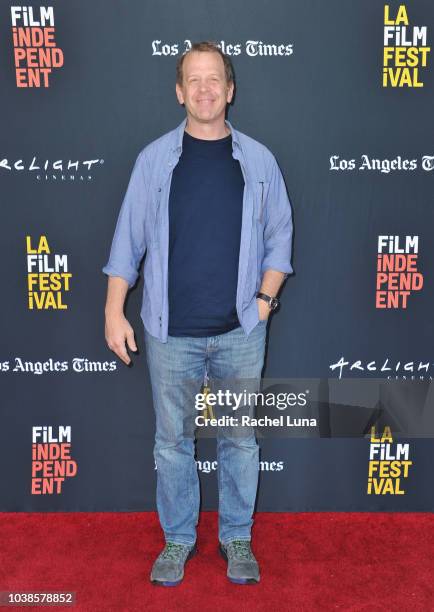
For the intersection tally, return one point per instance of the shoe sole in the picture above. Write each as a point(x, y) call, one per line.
point(171, 583)
point(237, 580)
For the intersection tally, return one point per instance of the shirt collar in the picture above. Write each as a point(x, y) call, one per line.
point(179, 134)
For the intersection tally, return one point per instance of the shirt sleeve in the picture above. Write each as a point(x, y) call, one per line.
point(128, 244)
point(278, 225)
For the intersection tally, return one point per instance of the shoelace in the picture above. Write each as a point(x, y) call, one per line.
point(173, 551)
point(240, 548)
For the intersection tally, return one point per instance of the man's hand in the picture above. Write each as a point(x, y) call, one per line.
point(117, 330)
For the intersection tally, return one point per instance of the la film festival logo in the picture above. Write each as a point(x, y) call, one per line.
point(397, 273)
point(52, 463)
point(388, 466)
point(35, 50)
point(47, 277)
point(405, 50)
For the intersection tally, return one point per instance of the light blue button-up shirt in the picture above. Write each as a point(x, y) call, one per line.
point(143, 225)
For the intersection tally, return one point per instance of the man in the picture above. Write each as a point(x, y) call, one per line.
point(209, 206)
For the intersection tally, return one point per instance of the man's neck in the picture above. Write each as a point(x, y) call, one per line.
point(206, 131)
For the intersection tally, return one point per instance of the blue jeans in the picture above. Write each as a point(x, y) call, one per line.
point(177, 371)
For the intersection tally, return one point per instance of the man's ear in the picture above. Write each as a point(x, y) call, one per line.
point(179, 94)
point(230, 93)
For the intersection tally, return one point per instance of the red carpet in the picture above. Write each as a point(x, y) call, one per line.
point(309, 561)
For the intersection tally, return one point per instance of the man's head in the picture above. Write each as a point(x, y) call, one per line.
point(204, 82)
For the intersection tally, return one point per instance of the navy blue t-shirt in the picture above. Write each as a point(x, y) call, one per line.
point(205, 212)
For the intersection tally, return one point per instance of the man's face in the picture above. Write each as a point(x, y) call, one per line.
point(204, 90)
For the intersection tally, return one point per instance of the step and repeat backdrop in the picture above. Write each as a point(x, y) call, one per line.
point(342, 93)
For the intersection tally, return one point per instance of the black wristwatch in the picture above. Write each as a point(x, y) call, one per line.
point(272, 302)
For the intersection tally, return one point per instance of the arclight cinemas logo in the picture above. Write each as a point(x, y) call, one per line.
point(35, 50)
point(52, 463)
point(52, 170)
point(392, 369)
point(397, 273)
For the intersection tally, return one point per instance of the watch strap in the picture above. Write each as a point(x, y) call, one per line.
point(271, 301)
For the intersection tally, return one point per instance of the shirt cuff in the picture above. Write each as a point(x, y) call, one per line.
point(128, 275)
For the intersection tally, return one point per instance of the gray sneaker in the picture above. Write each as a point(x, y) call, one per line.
point(168, 569)
point(242, 565)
